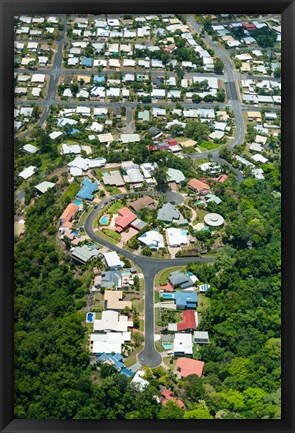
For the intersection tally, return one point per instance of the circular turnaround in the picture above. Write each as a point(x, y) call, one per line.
point(214, 220)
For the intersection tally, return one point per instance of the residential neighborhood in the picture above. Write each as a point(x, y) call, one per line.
point(147, 186)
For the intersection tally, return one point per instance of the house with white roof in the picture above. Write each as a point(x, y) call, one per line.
point(183, 344)
point(176, 237)
point(153, 239)
point(113, 260)
point(28, 172)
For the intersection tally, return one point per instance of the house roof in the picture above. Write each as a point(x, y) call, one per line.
point(142, 203)
point(69, 212)
point(174, 175)
point(189, 366)
point(125, 218)
point(186, 299)
point(168, 212)
point(113, 260)
point(178, 278)
point(44, 186)
point(198, 185)
point(183, 343)
point(87, 190)
point(113, 178)
point(113, 321)
point(84, 253)
point(114, 300)
point(188, 322)
point(152, 239)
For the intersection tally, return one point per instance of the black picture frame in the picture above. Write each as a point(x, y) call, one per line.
point(11, 8)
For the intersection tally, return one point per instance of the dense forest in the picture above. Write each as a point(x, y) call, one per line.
point(53, 377)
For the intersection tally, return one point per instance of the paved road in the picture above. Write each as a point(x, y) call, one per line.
point(149, 267)
point(232, 85)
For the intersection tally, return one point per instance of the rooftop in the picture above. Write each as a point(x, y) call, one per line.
point(187, 366)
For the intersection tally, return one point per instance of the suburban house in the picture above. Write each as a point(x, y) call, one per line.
point(112, 321)
point(87, 190)
point(113, 260)
point(152, 239)
point(186, 300)
point(113, 178)
point(108, 342)
point(183, 344)
point(111, 280)
point(176, 237)
point(138, 381)
point(84, 253)
point(145, 202)
point(167, 395)
point(168, 213)
point(189, 322)
point(187, 366)
point(174, 175)
point(116, 361)
point(198, 186)
point(65, 220)
point(201, 337)
point(113, 301)
point(180, 280)
point(125, 218)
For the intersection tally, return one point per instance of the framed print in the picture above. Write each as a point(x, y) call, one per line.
point(147, 216)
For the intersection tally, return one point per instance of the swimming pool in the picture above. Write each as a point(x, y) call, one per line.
point(90, 317)
point(77, 203)
point(105, 173)
point(167, 346)
point(167, 296)
point(104, 220)
point(75, 233)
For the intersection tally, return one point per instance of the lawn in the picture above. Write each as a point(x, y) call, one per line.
point(203, 304)
point(85, 215)
point(112, 190)
point(132, 358)
point(105, 237)
point(200, 215)
point(141, 325)
point(208, 145)
point(71, 191)
point(157, 297)
point(114, 207)
point(172, 364)
point(112, 234)
point(162, 276)
point(159, 346)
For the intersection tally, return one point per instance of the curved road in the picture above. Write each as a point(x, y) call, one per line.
point(149, 267)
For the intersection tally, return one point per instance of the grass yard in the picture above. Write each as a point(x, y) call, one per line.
point(170, 362)
point(200, 215)
point(203, 304)
point(112, 190)
point(159, 346)
point(85, 214)
point(132, 358)
point(114, 207)
point(71, 191)
point(162, 276)
point(105, 237)
point(157, 297)
point(208, 145)
point(141, 325)
point(112, 234)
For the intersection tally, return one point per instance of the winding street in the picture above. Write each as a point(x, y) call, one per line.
point(149, 267)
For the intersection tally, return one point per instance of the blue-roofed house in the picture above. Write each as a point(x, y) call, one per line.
point(127, 372)
point(115, 360)
point(98, 79)
point(87, 190)
point(87, 62)
point(186, 300)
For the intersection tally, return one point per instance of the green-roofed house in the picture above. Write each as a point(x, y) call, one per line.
point(213, 198)
point(144, 115)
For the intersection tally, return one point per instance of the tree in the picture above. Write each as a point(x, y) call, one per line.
point(138, 338)
point(196, 98)
point(196, 130)
point(218, 66)
point(201, 411)
point(171, 410)
point(160, 175)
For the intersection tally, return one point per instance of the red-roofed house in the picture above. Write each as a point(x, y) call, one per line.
point(125, 218)
point(152, 147)
point(222, 178)
point(187, 366)
point(198, 186)
point(188, 322)
point(172, 142)
point(168, 395)
point(249, 26)
point(68, 215)
point(166, 288)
